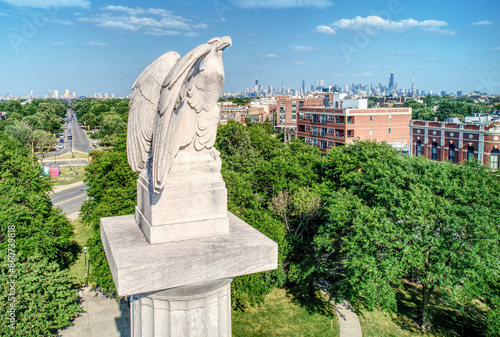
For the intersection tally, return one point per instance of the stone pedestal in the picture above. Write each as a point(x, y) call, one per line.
point(193, 203)
point(182, 287)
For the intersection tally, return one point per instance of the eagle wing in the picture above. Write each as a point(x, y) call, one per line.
point(143, 109)
point(170, 130)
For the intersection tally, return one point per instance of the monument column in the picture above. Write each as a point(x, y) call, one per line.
point(177, 255)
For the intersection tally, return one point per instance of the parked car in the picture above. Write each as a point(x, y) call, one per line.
point(61, 140)
point(60, 146)
point(70, 137)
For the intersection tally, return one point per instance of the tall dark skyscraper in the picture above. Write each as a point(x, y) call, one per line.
point(391, 82)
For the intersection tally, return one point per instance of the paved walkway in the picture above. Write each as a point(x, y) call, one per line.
point(103, 317)
point(348, 320)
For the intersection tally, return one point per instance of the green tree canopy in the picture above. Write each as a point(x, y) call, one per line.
point(395, 218)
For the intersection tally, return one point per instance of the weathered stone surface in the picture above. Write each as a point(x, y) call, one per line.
point(139, 267)
point(201, 310)
point(192, 205)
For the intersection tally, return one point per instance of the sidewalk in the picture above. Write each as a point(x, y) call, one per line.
point(103, 317)
point(348, 320)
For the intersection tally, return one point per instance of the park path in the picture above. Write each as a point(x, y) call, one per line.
point(348, 320)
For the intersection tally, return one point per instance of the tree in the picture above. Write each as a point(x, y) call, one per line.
point(44, 142)
point(396, 218)
point(112, 190)
point(36, 245)
point(45, 300)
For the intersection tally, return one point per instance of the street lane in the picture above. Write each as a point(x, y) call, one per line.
point(70, 200)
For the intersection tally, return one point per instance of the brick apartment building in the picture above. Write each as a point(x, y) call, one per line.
point(455, 141)
point(287, 108)
point(328, 127)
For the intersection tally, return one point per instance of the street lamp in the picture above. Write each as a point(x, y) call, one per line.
point(85, 260)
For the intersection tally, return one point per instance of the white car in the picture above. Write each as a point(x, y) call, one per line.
point(60, 146)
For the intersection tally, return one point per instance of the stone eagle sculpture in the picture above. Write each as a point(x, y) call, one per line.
point(174, 107)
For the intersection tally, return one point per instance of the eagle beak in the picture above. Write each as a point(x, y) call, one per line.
point(224, 43)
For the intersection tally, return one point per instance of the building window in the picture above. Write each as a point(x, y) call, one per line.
point(494, 159)
point(323, 132)
point(331, 131)
point(308, 128)
point(315, 142)
point(301, 103)
point(350, 120)
point(434, 155)
point(371, 132)
point(418, 148)
point(282, 103)
point(390, 130)
point(331, 118)
point(301, 115)
point(451, 153)
point(323, 119)
point(322, 145)
point(315, 118)
point(329, 144)
point(470, 153)
point(307, 116)
point(350, 133)
point(371, 118)
point(308, 140)
point(315, 130)
point(390, 117)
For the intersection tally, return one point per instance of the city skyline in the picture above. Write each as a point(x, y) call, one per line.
point(96, 46)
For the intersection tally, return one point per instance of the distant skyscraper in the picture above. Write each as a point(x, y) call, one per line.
point(459, 93)
point(50, 93)
point(303, 86)
point(56, 94)
point(391, 82)
point(413, 93)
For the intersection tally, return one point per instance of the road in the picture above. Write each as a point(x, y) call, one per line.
point(69, 198)
point(80, 141)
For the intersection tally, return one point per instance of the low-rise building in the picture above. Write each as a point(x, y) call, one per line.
point(328, 127)
point(478, 137)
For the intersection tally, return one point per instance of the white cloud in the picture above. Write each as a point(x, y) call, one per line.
point(117, 25)
point(430, 59)
point(282, 4)
point(97, 43)
point(149, 21)
point(362, 74)
point(58, 43)
point(298, 62)
point(481, 23)
point(326, 30)
point(271, 56)
point(391, 53)
point(304, 48)
point(3, 14)
point(372, 24)
point(409, 52)
point(62, 22)
point(496, 48)
point(47, 4)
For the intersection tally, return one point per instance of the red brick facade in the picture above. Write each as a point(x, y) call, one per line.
point(456, 142)
point(327, 127)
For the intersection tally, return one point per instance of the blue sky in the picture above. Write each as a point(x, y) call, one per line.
point(92, 46)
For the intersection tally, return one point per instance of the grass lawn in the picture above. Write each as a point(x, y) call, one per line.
point(69, 155)
point(447, 321)
point(67, 177)
point(82, 234)
point(287, 314)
